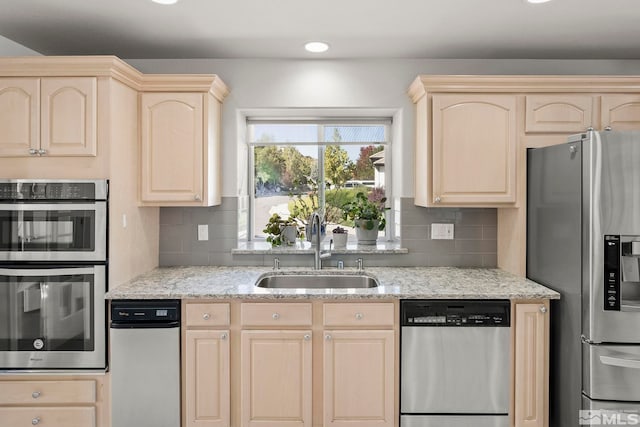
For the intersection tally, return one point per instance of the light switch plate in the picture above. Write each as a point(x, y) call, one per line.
point(203, 231)
point(441, 231)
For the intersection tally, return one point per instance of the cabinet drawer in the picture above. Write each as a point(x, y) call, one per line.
point(275, 314)
point(47, 417)
point(373, 314)
point(207, 314)
point(47, 392)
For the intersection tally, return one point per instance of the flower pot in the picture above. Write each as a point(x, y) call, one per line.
point(288, 234)
point(340, 240)
point(366, 231)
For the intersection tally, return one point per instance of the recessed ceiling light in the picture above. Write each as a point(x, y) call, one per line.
point(316, 47)
point(165, 1)
point(537, 1)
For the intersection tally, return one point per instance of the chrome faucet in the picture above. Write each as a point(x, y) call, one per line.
point(315, 224)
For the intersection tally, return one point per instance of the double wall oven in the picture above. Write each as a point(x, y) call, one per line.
point(53, 274)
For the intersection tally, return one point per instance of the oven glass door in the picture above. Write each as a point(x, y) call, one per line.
point(53, 232)
point(52, 318)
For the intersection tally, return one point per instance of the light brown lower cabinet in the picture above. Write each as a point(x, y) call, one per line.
point(276, 373)
point(358, 372)
point(207, 382)
point(54, 401)
point(531, 391)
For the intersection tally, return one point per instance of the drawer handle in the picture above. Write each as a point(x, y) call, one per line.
point(36, 394)
point(206, 316)
point(35, 421)
point(307, 337)
point(223, 336)
point(275, 316)
point(359, 316)
point(327, 337)
point(543, 309)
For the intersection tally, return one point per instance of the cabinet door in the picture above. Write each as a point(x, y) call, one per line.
point(474, 149)
point(558, 113)
point(19, 116)
point(531, 365)
point(69, 115)
point(172, 147)
point(358, 382)
point(276, 378)
point(207, 385)
point(621, 112)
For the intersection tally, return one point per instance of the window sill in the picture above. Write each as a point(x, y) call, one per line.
point(256, 248)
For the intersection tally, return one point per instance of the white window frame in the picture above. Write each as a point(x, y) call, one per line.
point(321, 121)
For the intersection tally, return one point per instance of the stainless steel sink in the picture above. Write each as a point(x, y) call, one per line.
point(316, 281)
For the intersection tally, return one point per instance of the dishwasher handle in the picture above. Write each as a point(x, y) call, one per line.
point(144, 325)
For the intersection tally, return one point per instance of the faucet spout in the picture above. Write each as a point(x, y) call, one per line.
point(315, 226)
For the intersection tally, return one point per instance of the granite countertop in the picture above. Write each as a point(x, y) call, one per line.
point(395, 282)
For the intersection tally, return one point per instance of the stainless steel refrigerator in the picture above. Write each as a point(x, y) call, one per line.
point(583, 240)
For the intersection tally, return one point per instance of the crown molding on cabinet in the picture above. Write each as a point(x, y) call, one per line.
point(523, 83)
point(178, 83)
point(114, 67)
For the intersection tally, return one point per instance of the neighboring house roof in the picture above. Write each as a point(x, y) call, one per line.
point(377, 158)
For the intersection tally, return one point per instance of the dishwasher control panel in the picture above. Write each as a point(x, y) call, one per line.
point(455, 313)
point(139, 313)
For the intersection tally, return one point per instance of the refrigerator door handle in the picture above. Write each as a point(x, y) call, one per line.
point(632, 363)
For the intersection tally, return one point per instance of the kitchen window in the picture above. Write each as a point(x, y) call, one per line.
point(298, 166)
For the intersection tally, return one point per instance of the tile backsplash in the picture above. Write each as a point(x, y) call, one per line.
point(474, 243)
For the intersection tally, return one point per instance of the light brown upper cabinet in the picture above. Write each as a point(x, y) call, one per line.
point(559, 113)
point(621, 112)
point(180, 146)
point(52, 116)
point(474, 149)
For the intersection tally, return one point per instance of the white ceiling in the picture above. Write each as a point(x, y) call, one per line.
point(567, 29)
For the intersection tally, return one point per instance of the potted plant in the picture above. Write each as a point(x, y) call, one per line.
point(367, 214)
point(281, 231)
point(340, 237)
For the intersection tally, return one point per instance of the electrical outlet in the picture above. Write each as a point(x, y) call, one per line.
point(203, 232)
point(441, 231)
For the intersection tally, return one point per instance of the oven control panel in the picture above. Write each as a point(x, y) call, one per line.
point(25, 190)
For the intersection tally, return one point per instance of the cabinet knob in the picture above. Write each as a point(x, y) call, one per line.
point(607, 128)
point(543, 309)
point(275, 316)
point(206, 316)
point(572, 149)
point(437, 199)
point(307, 337)
point(223, 336)
point(42, 152)
point(33, 151)
point(359, 316)
point(35, 394)
point(35, 421)
point(327, 337)
point(196, 198)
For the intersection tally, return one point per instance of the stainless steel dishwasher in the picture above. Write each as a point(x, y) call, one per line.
point(455, 363)
point(145, 363)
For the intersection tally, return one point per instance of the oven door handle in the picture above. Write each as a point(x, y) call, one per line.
point(620, 362)
point(33, 272)
point(51, 206)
